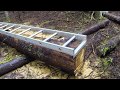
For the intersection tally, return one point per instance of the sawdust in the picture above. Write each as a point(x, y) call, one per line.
point(29, 33)
point(60, 40)
point(18, 31)
point(7, 54)
point(42, 36)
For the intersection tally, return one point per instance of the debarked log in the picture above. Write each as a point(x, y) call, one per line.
point(60, 60)
point(14, 64)
point(111, 44)
point(96, 27)
point(112, 17)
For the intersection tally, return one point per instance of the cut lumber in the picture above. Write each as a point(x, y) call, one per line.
point(13, 64)
point(52, 57)
point(111, 44)
point(96, 27)
point(112, 17)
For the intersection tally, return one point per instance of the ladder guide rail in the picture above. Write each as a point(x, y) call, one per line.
point(35, 34)
point(61, 48)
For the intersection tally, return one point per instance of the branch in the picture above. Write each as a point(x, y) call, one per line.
point(96, 27)
point(14, 64)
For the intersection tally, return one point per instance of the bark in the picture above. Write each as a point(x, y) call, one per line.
point(14, 64)
point(96, 27)
point(111, 44)
point(112, 17)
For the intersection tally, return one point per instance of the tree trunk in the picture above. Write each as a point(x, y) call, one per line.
point(7, 16)
point(97, 15)
point(112, 17)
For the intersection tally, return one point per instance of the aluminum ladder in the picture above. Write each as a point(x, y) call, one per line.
point(18, 31)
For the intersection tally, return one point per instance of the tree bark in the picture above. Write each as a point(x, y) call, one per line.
point(14, 64)
point(111, 44)
point(96, 27)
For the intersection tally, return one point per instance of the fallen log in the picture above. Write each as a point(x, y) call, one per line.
point(52, 57)
point(14, 64)
point(96, 27)
point(112, 17)
point(111, 44)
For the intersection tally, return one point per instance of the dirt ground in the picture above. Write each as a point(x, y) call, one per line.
point(72, 21)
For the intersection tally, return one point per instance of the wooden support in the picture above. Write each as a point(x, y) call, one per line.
point(58, 59)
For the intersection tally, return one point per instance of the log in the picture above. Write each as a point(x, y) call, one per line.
point(110, 45)
point(60, 60)
point(115, 19)
point(96, 27)
point(14, 64)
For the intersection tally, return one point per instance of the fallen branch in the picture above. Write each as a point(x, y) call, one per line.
point(111, 44)
point(112, 17)
point(14, 64)
point(96, 27)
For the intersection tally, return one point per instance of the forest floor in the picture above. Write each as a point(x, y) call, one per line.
point(72, 21)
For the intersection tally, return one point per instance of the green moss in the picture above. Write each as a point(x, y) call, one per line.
point(11, 54)
point(104, 50)
point(8, 58)
point(106, 62)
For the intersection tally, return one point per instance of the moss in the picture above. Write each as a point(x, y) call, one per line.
point(8, 58)
point(105, 50)
point(11, 54)
point(106, 62)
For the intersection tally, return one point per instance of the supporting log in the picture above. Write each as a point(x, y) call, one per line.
point(61, 60)
point(96, 27)
point(112, 17)
point(103, 50)
point(14, 64)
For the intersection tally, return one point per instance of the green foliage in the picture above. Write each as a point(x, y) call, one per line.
point(104, 50)
point(106, 62)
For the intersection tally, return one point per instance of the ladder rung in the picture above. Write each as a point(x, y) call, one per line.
point(9, 27)
point(15, 29)
point(23, 31)
point(65, 44)
point(1, 24)
point(35, 33)
point(4, 26)
point(50, 37)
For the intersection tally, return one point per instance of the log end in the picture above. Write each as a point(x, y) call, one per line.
point(79, 61)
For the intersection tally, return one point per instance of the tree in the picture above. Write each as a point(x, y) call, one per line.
point(7, 16)
point(97, 14)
